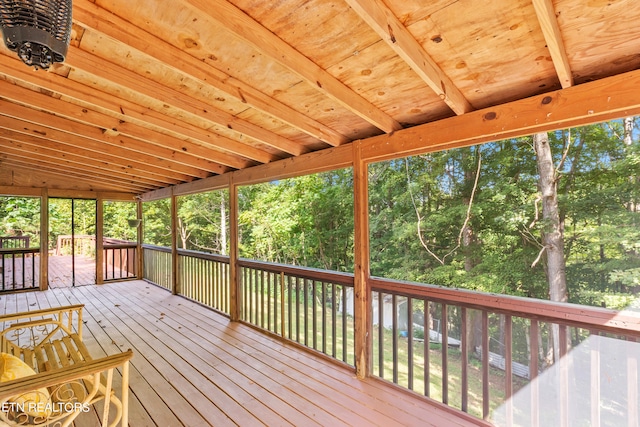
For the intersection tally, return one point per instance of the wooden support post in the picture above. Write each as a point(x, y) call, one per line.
point(175, 285)
point(44, 240)
point(139, 240)
point(235, 291)
point(362, 297)
point(100, 240)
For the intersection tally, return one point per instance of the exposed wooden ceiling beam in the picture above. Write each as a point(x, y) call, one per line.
point(74, 112)
point(127, 112)
point(27, 165)
point(93, 139)
point(382, 20)
point(79, 59)
point(605, 99)
point(90, 15)
point(553, 37)
point(234, 20)
point(55, 152)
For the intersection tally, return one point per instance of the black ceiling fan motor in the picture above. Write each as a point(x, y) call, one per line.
point(37, 30)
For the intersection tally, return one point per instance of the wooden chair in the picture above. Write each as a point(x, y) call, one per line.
point(49, 377)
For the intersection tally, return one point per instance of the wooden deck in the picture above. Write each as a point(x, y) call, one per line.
point(193, 367)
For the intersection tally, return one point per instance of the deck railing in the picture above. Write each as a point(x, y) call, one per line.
point(422, 341)
point(157, 265)
point(488, 355)
point(81, 244)
point(308, 306)
point(204, 278)
point(19, 269)
point(120, 259)
point(14, 242)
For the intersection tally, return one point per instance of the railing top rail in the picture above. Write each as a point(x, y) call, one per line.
point(156, 248)
point(119, 245)
point(6, 251)
point(623, 322)
point(204, 255)
point(302, 272)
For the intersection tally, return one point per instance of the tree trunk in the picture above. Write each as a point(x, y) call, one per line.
point(553, 230)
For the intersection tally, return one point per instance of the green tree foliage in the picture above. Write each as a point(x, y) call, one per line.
point(20, 216)
point(203, 222)
point(156, 221)
point(116, 220)
point(419, 206)
point(302, 221)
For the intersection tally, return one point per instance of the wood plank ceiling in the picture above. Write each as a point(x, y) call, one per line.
point(154, 94)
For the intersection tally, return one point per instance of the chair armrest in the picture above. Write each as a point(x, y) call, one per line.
point(61, 376)
point(67, 319)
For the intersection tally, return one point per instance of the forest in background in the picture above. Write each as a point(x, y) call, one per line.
point(467, 218)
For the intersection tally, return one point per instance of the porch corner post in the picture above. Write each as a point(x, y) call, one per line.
point(139, 240)
point(100, 240)
point(362, 292)
point(175, 283)
point(44, 240)
point(235, 293)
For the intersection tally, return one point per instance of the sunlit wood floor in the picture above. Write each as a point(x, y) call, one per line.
point(194, 367)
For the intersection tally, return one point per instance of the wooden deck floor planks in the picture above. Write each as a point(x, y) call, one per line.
point(194, 367)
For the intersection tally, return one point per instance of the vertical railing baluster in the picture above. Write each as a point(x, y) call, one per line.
point(290, 307)
point(343, 292)
point(297, 309)
point(633, 417)
point(485, 364)
point(314, 310)
point(508, 368)
point(269, 300)
point(394, 335)
point(564, 376)
point(334, 320)
point(464, 373)
point(324, 316)
point(13, 270)
point(306, 312)
point(426, 349)
point(594, 350)
point(380, 335)
point(444, 334)
point(410, 341)
point(533, 373)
